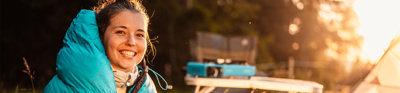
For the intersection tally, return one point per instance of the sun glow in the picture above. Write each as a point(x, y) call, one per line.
point(379, 23)
point(374, 23)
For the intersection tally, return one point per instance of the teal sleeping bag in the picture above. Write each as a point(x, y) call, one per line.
point(82, 65)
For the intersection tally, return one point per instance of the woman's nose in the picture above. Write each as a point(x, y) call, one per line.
point(131, 40)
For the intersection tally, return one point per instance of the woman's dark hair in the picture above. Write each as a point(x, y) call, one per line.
point(107, 9)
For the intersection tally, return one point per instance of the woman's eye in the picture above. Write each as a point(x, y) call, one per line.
point(139, 35)
point(120, 32)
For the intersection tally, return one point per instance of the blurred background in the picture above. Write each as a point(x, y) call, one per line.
point(331, 42)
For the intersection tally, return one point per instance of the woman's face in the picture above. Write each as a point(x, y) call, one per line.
point(125, 40)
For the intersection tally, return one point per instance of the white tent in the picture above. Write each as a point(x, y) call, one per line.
point(385, 76)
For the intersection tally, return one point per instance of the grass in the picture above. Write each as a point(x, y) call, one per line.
point(29, 73)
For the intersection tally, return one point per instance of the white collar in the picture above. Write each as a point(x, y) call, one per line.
point(124, 79)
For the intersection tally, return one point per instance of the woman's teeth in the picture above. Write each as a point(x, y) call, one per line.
point(128, 53)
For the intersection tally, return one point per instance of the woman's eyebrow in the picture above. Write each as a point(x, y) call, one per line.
point(140, 30)
point(121, 27)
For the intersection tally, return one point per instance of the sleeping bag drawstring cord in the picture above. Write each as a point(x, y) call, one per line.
point(158, 75)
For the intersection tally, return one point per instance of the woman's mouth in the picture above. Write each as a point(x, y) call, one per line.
point(128, 54)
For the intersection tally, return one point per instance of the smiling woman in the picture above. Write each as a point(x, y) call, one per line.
point(123, 31)
point(83, 65)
